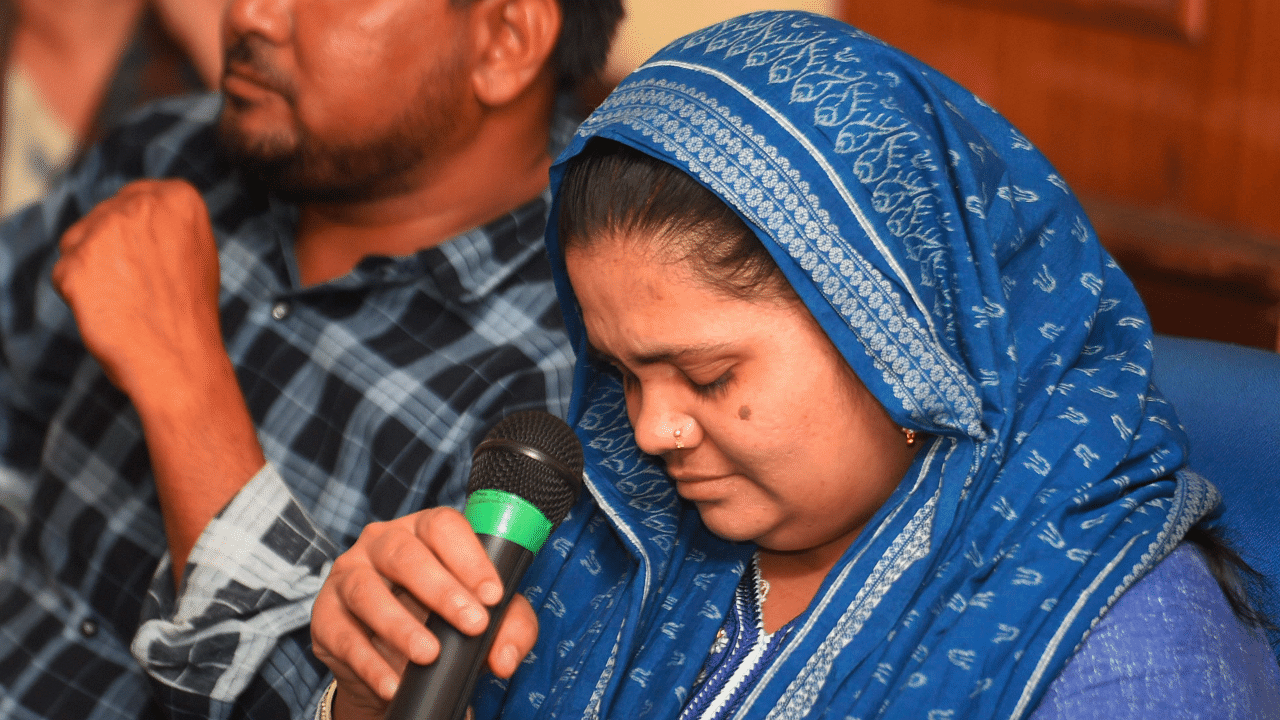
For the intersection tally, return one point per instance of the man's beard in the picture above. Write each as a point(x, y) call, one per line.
point(303, 168)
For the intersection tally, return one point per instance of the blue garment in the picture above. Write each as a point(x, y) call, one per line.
point(960, 279)
point(742, 651)
point(1170, 649)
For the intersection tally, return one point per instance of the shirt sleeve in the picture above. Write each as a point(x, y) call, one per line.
point(241, 620)
point(1170, 648)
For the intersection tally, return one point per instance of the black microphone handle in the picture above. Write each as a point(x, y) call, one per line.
point(443, 689)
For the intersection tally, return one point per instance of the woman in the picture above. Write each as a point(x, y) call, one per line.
point(867, 418)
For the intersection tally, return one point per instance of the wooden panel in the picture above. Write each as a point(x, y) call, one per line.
point(1156, 123)
point(1197, 279)
point(1182, 19)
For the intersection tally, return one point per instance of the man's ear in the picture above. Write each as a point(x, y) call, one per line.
point(514, 40)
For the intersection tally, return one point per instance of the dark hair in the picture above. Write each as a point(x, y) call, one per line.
point(611, 190)
point(587, 28)
point(1238, 580)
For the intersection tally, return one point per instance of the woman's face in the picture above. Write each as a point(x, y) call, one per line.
point(782, 444)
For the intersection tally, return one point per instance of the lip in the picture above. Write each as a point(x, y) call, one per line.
point(241, 81)
point(687, 479)
point(699, 488)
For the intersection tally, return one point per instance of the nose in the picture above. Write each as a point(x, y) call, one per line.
point(659, 425)
point(269, 19)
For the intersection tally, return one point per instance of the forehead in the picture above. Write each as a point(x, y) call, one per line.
point(636, 304)
point(618, 266)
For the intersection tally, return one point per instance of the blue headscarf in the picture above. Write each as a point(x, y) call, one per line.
point(960, 279)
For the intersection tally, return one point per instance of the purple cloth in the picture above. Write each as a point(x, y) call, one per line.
point(1170, 649)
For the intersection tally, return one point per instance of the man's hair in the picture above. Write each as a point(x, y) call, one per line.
point(586, 31)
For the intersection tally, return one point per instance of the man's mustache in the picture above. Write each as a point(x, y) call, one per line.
point(245, 58)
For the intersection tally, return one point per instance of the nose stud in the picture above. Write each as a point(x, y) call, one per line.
point(679, 434)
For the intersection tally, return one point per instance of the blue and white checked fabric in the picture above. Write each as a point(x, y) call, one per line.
point(368, 393)
point(960, 279)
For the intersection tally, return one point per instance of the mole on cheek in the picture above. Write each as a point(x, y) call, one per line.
point(744, 412)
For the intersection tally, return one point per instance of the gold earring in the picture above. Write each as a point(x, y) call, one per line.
point(676, 434)
point(911, 435)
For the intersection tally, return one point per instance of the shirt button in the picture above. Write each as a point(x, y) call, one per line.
point(88, 628)
point(280, 310)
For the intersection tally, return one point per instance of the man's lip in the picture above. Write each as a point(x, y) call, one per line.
point(239, 80)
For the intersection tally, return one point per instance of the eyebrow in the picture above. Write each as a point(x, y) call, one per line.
point(661, 355)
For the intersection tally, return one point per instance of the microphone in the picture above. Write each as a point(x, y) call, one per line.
point(525, 477)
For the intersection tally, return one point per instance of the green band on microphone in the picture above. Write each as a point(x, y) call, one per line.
point(508, 516)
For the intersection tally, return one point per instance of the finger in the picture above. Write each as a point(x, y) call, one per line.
point(71, 237)
point(395, 659)
point(342, 643)
point(515, 637)
point(450, 535)
point(369, 599)
point(121, 206)
point(417, 562)
point(410, 603)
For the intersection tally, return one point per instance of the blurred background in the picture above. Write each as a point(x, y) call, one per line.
point(75, 68)
point(1163, 115)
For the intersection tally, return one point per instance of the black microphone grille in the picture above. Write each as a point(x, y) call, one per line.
point(534, 455)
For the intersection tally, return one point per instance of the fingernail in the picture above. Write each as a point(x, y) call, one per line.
point(510, 658)
point(475, 617)
point(388, 688)
point(490, 592)
point(423, 649)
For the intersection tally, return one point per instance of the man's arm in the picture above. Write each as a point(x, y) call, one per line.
point(140, 273)
point(235, 639)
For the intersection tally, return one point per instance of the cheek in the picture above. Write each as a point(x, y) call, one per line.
point(772, 441)
point(349, 59)
point(349, 47)
point(349, 50)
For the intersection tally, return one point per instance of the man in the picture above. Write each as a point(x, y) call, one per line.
point(256, 359)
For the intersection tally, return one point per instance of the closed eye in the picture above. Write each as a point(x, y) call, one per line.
point(713, 389)
point(611, 366)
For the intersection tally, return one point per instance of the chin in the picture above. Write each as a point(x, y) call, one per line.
point(729, 526)
point(246, 144)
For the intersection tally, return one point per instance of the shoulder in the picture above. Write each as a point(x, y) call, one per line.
point(1170, 645)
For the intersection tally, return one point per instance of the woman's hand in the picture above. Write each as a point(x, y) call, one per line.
point(369, 617)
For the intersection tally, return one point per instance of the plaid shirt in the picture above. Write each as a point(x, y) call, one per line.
point(368, 393)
